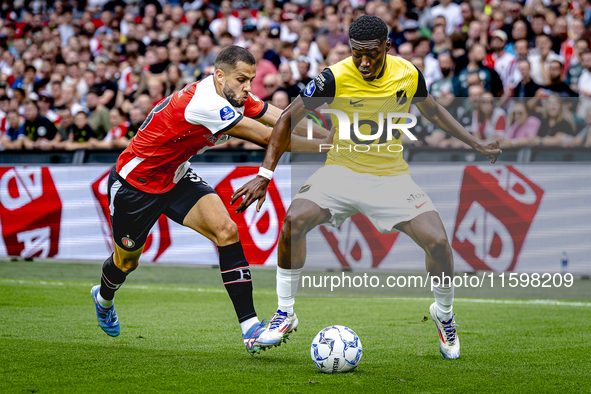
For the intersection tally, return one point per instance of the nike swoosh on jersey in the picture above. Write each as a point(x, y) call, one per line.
point(418, 206)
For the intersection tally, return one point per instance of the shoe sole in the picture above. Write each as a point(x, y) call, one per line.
point(283, 339)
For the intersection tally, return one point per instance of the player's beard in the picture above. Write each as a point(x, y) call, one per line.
point(231, 96)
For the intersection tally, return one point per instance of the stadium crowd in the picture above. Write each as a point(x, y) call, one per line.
point(85, 74)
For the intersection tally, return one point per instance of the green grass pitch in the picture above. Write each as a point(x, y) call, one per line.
point(180, 334)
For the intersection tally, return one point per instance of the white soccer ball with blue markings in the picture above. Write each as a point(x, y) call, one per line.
point(336, 349)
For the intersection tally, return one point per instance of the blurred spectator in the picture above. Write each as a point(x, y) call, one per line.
point(504, 63)
point(540, 62)
point(584, 137)
point(80, 134)
point(491, 80)
point(66, 120)
point(136, 118)
point(526, 87)
point(264, 68)
point(15, 132)
point(335, 34)
point(422, 48)
point(287, 83)
point(107, 89)
point(488, 121)
point(524, 127)
point(119, 135)
point(447, 86)
point(558, 124)
point(226, 21)
point(406, 50)
point(40, 132)
point(271, 84)
point(191, 70)
point(44, 105)
point(174, 82)
point(576, 69)
point(280, 99)
point(99, 114)
point(452, 13)
point(556, 85)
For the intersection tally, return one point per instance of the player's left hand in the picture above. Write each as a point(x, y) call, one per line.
point(253, 190)
point(490, 149)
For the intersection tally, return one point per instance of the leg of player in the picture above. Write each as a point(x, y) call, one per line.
point(428, 232)
point(210, 218)
point(115, 270)
point(302, 216)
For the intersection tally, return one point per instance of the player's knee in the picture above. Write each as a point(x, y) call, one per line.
point(438, 247)
point(227, 234)
point(295, 225)
point(127, 264)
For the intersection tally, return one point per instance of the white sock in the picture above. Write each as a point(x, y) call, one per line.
point(444, 297)
point(246, 325)
point(287, 287)
point(104, 303)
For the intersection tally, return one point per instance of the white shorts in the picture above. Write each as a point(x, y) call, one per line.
point(384, 200)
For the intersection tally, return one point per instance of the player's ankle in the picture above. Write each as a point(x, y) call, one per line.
point(102, 302)
point(247, 324)
point(287, 309)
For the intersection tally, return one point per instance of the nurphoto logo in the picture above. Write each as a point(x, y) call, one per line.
point(382, 131)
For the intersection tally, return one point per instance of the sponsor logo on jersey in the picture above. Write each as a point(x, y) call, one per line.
point(128, 242)
point(227, 113)
point(310, 88)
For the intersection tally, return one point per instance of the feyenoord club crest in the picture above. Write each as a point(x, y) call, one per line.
point(128, 242)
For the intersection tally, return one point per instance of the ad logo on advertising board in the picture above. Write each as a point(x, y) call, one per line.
point(259, 231)
point(357, 243)
point(158, 240)
point(30, 212)
point(497, 207)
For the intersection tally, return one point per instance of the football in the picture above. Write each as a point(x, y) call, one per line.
point(336, 349)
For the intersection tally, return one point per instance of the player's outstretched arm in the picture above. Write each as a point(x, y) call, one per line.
point(443, 120)
point(256, 188)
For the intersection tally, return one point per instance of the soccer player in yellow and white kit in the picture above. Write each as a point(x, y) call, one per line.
point(375, 183)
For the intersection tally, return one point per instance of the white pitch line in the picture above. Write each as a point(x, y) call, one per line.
point(552, 302)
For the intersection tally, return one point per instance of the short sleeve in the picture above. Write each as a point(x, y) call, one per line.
point(213, 112)
point(320, 90)
point(254, 107)
point(421, 93)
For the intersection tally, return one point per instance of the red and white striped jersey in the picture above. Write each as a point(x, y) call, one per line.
point(506, 67)
point(186, 123)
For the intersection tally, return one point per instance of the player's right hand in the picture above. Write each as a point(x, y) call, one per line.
point(253, 190)
point(490, 149)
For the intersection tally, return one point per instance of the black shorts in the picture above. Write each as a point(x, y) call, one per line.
point(134, 212)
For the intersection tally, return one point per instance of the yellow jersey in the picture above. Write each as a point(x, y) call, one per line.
point(342, 87)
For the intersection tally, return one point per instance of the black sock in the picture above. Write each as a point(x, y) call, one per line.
point(112, 279)
point(236, 277)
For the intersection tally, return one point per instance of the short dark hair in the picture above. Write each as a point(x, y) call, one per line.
point(229, 57)
point(94, 90)
point(368, 27)
point(30, 68)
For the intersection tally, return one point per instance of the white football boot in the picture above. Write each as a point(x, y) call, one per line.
point(278, 330)
point(449, 342)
